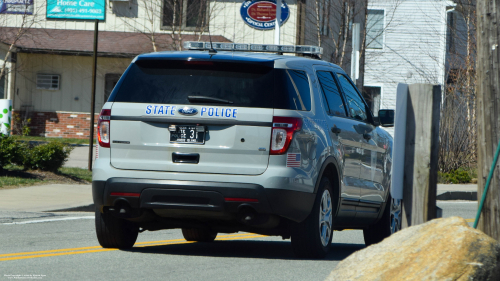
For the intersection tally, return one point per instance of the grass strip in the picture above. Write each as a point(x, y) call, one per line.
point(16, 181)
point(82, 174)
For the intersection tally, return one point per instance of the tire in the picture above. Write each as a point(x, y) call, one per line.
point(114, 232)
point(312, 238)
point(198, 235)
point(387, 225)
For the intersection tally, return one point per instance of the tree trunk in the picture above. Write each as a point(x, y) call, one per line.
point(488, 111)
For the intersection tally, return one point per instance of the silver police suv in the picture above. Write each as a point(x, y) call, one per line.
point(220, 142)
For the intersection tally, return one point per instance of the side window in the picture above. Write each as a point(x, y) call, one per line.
point(332, 93)
point(293, 90)
point(357, 108)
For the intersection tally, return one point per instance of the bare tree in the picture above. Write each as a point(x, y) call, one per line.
point(458, 134)
point(331, 21)
point(25, 17)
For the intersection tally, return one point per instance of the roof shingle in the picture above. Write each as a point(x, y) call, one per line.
point(110, 43)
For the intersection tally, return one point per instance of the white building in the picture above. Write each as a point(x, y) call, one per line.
point(406, 43)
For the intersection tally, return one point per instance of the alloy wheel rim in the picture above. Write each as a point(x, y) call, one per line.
point(395, 215)
point(325, 218)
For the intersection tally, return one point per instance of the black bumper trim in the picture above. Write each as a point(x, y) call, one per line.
point(200, 195)
point(293, 205)
point(98, 193)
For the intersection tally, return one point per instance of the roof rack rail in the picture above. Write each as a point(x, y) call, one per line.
point(237, 47)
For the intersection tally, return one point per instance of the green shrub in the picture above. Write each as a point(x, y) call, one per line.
point(47, 157)
point(9, 151)
point(455, 176)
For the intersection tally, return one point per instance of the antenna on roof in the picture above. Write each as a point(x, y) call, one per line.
point(212, 51)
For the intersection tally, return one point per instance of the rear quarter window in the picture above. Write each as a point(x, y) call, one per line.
point(292, 90)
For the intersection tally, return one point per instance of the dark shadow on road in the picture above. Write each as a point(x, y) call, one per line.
point(244, 249)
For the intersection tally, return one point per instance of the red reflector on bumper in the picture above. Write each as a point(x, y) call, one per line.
point(125, 194)
point(241, 200)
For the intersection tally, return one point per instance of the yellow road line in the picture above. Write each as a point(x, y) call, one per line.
point(246, 237)
point(99, 247)
point(56, 254)
point(72, 251)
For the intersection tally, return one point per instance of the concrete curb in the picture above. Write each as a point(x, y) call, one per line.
point(458, 195)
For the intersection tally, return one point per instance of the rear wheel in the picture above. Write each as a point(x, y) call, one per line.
point(114, 232)
point(387, 225)
point(312, 238)
point(198, 235)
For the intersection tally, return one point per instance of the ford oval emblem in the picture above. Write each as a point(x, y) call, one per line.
point(189, 111)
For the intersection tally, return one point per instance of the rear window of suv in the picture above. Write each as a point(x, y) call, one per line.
point(244, 84)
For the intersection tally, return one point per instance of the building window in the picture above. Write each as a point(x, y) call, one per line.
point(184, 14)
point(48, 81)
point(372, 98)
point(324, 13)
point(375, 29)
point(451, 32)
point(110, 80)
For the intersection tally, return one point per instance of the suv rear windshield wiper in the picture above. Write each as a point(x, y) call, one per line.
point(207, 99)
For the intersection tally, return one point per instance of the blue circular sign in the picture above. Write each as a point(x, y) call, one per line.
point(261, 14)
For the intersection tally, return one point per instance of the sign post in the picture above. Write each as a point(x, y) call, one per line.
point(277, 28)
point(92, 101)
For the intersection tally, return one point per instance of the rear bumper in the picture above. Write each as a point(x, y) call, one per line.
point(201, 195)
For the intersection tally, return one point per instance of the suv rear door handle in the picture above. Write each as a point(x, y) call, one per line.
point(367, 136)
point(336, 130)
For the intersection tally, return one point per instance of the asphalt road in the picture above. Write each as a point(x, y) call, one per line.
point(63, 246)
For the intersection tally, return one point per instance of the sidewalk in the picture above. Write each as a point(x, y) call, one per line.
point(79, 157)
point(75, 197)
point(49, 197)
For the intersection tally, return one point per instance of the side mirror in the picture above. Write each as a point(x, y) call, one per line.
point(386, 117)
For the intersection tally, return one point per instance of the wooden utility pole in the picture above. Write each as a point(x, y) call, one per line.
point(488, 111)
point(421, 154)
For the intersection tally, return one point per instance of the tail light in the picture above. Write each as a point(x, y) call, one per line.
point(103, 127)
point(282, 133)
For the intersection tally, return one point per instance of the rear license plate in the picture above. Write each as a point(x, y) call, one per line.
point(188, 134)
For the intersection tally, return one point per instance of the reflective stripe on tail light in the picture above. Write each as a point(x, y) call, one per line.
point(282, 133)
point(103, 129)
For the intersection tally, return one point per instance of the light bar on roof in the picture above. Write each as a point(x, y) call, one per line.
point(237, 47)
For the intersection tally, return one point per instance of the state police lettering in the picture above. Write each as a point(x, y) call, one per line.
point(219, 112)
point(170, 110)
point(160, 110)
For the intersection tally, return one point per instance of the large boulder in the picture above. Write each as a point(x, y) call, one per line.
point(441, 249)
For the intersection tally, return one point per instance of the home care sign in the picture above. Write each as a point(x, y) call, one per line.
point(76, 9)
point(261, 14)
